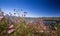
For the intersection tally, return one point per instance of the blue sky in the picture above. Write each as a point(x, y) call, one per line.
point(34, 8)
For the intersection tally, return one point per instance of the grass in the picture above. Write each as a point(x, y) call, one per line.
point(24, 29)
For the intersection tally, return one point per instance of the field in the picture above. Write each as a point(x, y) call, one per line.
point(21, 27)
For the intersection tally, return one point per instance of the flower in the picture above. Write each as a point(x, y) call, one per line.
point(10, 13)
point(44, 28)
point(42, 31)
point(11, 26)
point(10, 31)
point(1, 17)
point(25, 14)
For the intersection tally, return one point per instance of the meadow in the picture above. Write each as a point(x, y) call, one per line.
point(19, 27)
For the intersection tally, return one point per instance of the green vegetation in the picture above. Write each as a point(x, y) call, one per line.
point(27, 29)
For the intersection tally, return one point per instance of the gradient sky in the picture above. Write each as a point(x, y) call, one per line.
point(34, 8)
